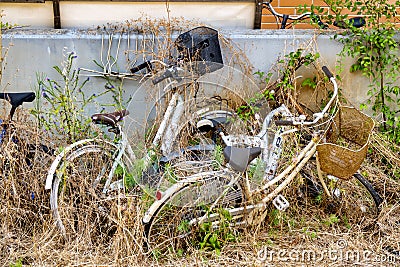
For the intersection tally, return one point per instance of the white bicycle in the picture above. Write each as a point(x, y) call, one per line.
point(203, 162)
point(235, 196)
point(88, 176)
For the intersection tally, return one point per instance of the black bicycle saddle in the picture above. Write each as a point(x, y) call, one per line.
point(16, 99)
point(110, 119)
point(239, 157)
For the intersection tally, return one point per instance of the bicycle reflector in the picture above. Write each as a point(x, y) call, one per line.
point(200, 44)
point(158, 195)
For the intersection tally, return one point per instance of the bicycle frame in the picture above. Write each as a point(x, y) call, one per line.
point(270, 155)
point(286, 17)
point(122, 146)
point(274, 156)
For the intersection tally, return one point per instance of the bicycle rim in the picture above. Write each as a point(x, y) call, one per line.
point(80, 208)
point(175, 226)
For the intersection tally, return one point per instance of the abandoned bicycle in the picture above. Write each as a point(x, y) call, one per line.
point(192, 181)
point(89, 175)
point(234, 195)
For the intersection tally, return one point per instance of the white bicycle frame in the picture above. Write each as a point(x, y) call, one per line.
point(164, 133)
point(273, 156)
point(83, 146)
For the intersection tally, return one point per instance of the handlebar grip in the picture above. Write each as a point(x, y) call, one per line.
point(328, 73)
point(283, 123)
point(318, 20)
point(146, 65)
point(167, 74)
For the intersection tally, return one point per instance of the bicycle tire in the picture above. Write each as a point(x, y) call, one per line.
point(174, 225)
point(377, 199)
point(80, 207)
point(188, 134)
point(355, 200)
point(358, 201)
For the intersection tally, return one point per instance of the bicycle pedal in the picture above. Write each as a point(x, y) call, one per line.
point(280, 202)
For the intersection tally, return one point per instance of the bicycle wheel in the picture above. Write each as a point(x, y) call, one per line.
point(360, 202)
point(199, 205)
point(202, 117)
point(354, 200)
point(81, 208)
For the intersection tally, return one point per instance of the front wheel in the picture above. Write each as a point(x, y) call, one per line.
point(355, 200)
point(81, 203)
point(190, 214)
point(362, 201)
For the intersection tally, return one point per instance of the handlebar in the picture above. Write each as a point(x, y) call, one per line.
point(146, 64)
point(171, 72)
point(357, 22)
point(327, 72)
point(286, 17)
point(166, 74)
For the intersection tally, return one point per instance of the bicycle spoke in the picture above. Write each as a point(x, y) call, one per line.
point(180, 220)
point(81, 209)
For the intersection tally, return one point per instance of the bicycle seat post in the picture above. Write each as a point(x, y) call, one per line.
point(11, 113)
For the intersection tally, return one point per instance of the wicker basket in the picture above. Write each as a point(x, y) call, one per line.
point(347, 143)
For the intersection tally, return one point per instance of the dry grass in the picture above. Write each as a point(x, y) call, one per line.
point(29, 236)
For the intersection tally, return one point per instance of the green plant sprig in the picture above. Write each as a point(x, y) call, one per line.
point(66, 101)
point(375, 50)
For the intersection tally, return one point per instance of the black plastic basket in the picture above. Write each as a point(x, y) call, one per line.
point(200, 44)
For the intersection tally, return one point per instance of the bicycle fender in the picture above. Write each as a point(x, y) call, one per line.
point(59, 158)
point(168, 194)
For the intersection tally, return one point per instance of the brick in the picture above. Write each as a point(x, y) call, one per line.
point(293, 3)
point(282, 10)
point(275, 3)
point(269, 26)
point(345, 11)
point(303, 26)
point(318, 3)
point(268, 19)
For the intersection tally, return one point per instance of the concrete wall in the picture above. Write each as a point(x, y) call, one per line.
point(32, 51)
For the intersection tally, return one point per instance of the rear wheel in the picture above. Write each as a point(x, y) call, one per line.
point(81, 208)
